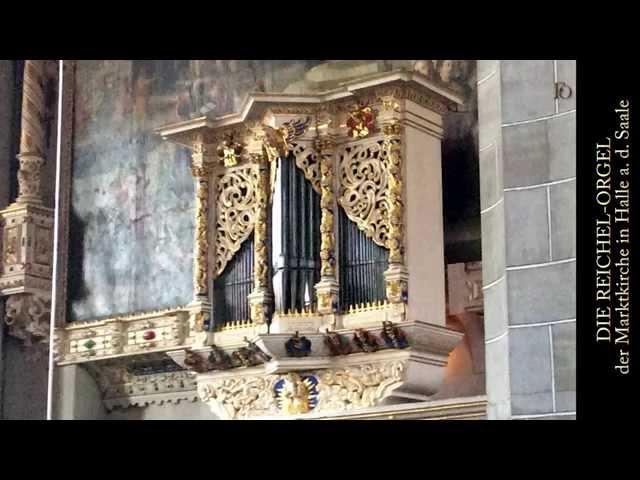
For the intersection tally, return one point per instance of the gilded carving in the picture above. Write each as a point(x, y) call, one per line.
point(306, 159)
point(361, 121)
point(201, 246)
point(358, 387)
point(364, 182)
point(279, 139)
point(229, 152)
point(295, 394)
point(320, 391)
point(396, 290)
point(236, 212)
point(395, 203)
point(240, 397)
point(327, 203)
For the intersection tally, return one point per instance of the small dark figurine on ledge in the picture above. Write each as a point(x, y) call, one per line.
point(219, 359)
point(195, 363)
point(393, 337)
point(243, 357)
point(336, 344)
point(257, 352)
point(365, 341)
point(298, 346)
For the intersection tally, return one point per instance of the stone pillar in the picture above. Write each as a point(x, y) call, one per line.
point(527, 175)
point(32, 133)
point(27, 225)
point(493, 246)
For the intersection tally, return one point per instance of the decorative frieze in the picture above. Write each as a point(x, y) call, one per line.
point(143, 382)
point(27, 249)
point(125, 335)
point(292, 393)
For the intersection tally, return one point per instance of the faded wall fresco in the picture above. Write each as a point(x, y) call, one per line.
point(132, 194)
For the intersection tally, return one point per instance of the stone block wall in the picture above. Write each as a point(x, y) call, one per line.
point(528, 181)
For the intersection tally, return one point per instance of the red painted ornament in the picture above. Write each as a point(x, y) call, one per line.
point(361, 122)
point(149, 335)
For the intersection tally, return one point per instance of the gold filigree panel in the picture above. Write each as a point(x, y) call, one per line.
point(236, 212)
point(307, 160)
point(363, 188)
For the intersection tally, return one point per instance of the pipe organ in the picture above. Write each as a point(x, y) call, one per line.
point(319, 283)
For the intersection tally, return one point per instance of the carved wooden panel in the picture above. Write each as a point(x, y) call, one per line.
point(363, 188)
point(308, 161)
point(236, 211)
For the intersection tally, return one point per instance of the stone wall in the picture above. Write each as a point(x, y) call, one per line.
point(527, 176)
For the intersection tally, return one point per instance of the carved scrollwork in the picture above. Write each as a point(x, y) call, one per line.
point(243, 397)
point(358, 387)
point(337, 390)
point(364, 184)
point(236, 212)
point(307, 160)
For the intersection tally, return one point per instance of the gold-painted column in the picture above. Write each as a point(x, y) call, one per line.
point(260, 298)
point(396, 276)
point(327, 289)
point(201, 170)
